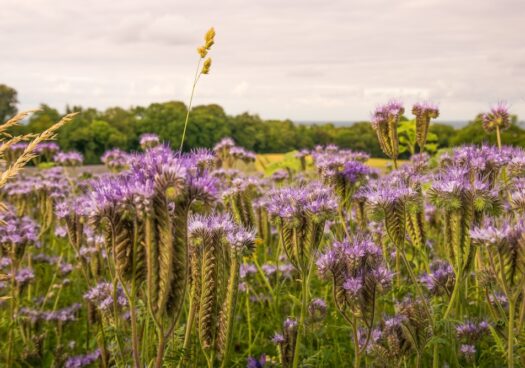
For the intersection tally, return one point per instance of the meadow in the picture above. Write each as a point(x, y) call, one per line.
point(224, 258)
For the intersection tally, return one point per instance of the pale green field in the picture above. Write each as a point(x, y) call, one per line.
point(270, 162)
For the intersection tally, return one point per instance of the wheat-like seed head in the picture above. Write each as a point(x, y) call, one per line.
point(28, 153)
point(15, 120)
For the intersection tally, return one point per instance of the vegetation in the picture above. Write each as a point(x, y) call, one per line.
point(93, 131)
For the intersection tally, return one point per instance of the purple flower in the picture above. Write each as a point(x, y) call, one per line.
point(468, 351)
point(497, 117)
point(317, 309)
point(101, 296)
point(225, 143)
point(256, 363)
point(297, 203)
point(115, 159)
point(71, 158)
point(441, 278)
point(353, 285)
point(269, 269)
point(278, 338)
point(24, 276)
point(290, 324)
point(472, 331)
point(80, 361)
point(221, 226)
point(246, 270)
point(149, 140)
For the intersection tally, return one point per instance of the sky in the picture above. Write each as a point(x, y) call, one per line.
point(306, 60)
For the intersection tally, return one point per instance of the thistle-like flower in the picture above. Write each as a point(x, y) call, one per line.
point(149, 140)
point(218, 245)
point(441, 278)
point(115, 159)
point(424, 112)
point(71, 158)
point(497, 118)
point(300, 214)
point(385, 120)
point(286, 342)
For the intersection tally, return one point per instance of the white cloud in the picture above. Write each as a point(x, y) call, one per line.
point(299, 59)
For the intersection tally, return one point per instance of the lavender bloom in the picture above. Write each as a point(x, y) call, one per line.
point(101, 296)
point(357, 268)
point(256, 363)
point(17, 232)
point(317, 309)
point(424, 111)
point(278, 338)
point(468, 351)
point(384, 121)
point(221, 226)
point(204, 159)
point(149, 140)
point(471, 331)
point(280, 175)
point(225, 143)
point(47, 149)
point(290, 324)
point(295, 204)
point(240, 153)
point(80, 361)
point(497, 117)
point(269, 269)
point(441, 278)
point(353, 286)
point(246, 270)
point(24, 276)
point(71, 158)
point(62, 316)
point(115, 159)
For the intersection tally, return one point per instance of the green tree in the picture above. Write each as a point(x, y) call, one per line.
point(8, 101)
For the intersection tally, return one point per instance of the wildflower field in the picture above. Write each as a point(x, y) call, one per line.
point(224, 258)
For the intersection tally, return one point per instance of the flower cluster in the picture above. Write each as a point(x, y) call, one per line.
point(149, 140)
point(385, 120)
point(80, 361)
point(424, 112)
point(441, 278)
point(62, 316)
point(497, 118)
point(115, 159)
point(16, 233)
point(102, 296)
point(359, 273)
point(71, 158)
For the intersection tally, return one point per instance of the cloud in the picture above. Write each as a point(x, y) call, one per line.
point(299, 59)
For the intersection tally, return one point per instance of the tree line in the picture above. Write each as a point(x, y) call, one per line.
point(94, 131)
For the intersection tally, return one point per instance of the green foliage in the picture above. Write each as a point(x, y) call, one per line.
point(94, 131)
point(8, 101)
point(407, 138)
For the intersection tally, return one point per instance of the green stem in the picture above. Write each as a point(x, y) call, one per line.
point(510, 347)
point(357, 355)
point(498, 137)
point(454, 296)
point(195, 80)
point(304, 300)
point(231, 300)
point(189, 328)
point(249, 318)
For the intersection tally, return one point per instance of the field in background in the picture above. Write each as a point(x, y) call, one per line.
point(270, 162)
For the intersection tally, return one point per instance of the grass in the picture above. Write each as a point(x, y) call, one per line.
point(268, 163)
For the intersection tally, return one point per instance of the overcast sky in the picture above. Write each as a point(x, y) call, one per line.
point(327, 60)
